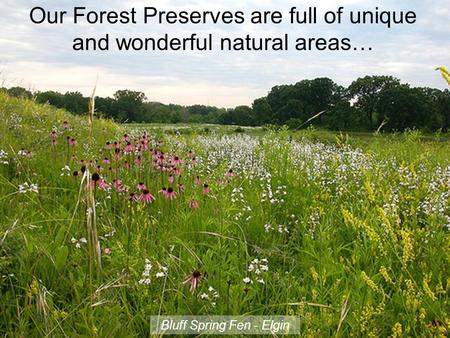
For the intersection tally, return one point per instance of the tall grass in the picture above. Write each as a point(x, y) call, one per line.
point(354, 228)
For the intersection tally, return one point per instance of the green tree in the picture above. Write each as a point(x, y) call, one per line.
point(342, 116)
point(279, 95)
point(303, 100)
point(244, 116)
point(51, 97)
point(105, 106)
point(129, 105)
point(292, 109)
point(366, 93)
point(262, 110)
point(19, 92)
point(443, 109)
point(75, 102)
point(405, 107)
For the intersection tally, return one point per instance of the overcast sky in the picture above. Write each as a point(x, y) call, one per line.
point(40, 57)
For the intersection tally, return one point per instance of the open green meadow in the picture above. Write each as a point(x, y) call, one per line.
point(104, 225)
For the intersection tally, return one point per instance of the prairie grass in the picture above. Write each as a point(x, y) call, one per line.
point(351, 233)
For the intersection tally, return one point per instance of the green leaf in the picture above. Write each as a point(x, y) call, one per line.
point(61, 255)
point(60, 236)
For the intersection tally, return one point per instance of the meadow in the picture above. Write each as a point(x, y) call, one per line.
point(103, 225)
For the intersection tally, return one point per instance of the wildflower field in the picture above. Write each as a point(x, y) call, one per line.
point(102, 228)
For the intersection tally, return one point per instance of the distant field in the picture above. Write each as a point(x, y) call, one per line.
point(357, 139)
point(190, 128)
point(101, 228)
point(320, 133)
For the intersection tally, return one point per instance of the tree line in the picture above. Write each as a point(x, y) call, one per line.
point(369, 103)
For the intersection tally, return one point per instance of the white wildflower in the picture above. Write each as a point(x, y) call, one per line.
point(78, 242)
point(247, 280)
point(26, 187)
point(283, 229)
point(268, 227)
point(3, 157)
point(65, 171)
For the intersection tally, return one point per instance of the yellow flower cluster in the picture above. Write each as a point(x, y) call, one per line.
point(426, 287)
point(413, 301)
point(314, 274)
point(366, 319)
point(384, 272)
point(360, 225)
point(397, 330)
point(408, 247)
point(387, 224)
point(370, 283)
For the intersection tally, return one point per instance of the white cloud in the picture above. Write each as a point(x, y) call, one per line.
point(41, 55)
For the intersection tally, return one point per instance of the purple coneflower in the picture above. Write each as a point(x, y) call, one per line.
point(102, 184)
point(176, 160)
point(141, 186)
point(206, 189)
point(170, 194)
point(106, 161)
point(53, 136)
point(95, 177)
point(177, 172)
point(99, 182)
point(138, 160)
point(193, 204)
point(145, 144)
point(66, 125)
point(170, 178)
point(146, 196)
point(118, 185)
point(117, 154)
point(230, 173)
point(128, 148)
point(193, 279)
point(160, 159)
point(133, 197)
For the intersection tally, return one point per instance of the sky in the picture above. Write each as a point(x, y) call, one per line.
point(40, 57)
